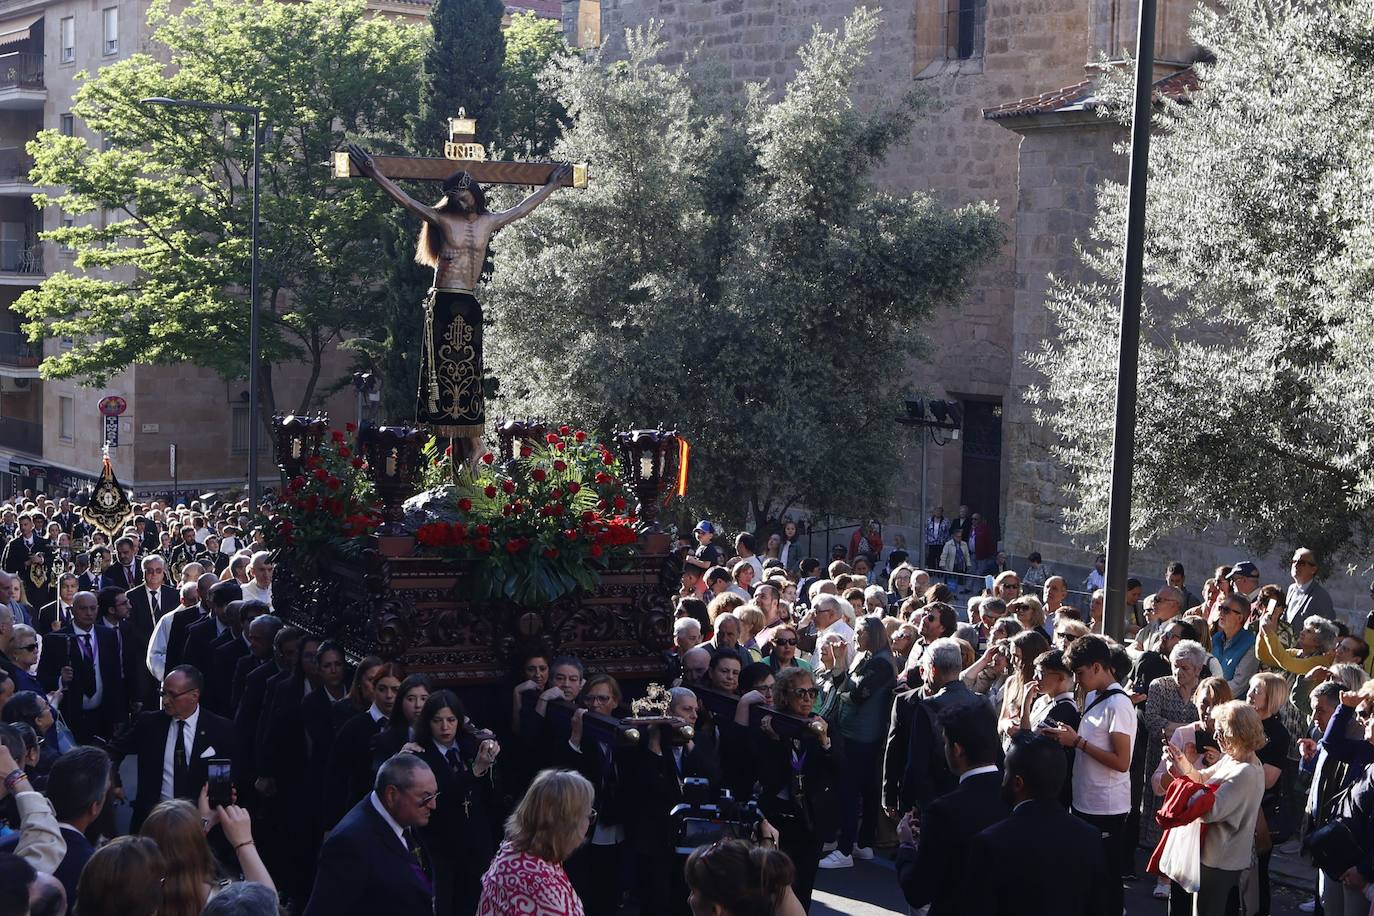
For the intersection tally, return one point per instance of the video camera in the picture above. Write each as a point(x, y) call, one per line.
point(699, 822)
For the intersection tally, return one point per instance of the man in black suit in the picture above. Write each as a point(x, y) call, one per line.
point(77, 787)
point(112, 612)
point(191, 614)
point(187, 550)
point(95, 704)
point(1003, 876)
point(225, 658)
point(262, 633)
point(211, 631)
point(932, 852)
point(86, 581)
point(57, 614)
point(71, 522)
point(123, 572)
point(248, 714)
point(24, 545)
point(174, 745)
point(374, 862)
point(153, 597)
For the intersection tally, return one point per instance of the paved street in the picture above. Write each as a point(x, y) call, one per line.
point(870, 889)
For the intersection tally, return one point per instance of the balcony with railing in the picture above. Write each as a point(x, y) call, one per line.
point(17, 352)
point(21, 80)
point(21, 435)
point(21, 263)
point(15, 165)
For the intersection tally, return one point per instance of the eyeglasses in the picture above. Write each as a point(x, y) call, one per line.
point(426, 799)
point(1011, 584)
point(784, 642)
point(809, 693)
point(172, 695)
point(29, 648)
point(598, 698)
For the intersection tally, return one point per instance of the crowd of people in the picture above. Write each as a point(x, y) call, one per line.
point(829, 713)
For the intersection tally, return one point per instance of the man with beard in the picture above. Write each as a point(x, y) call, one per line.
point(453, 240)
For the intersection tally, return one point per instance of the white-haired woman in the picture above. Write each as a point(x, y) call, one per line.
point(1168, 707)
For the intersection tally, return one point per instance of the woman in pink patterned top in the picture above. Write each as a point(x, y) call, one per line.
point(527, 876)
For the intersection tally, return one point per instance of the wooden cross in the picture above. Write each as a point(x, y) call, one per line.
point(462, 154)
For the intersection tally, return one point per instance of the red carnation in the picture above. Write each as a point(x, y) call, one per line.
point(464, 505)
point(351, 427)
point(344, 452)
point(357, 462)
point(580, 436)
point(508, 486)
point(560, 465)
point(539, 474)
point(488, 458)
point(574, 487)
point(490, 491)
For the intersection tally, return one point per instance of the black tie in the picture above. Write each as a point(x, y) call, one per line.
point(152, 596)
point(381, 724)
point(180, 771)
point(454, 763)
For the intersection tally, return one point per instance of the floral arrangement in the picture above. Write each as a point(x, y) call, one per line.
point(329, 509)
point(538, 527)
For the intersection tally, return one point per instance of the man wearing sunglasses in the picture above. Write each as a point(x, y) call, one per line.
point(374, 861)
point(1306, 596)
point(1233, 646)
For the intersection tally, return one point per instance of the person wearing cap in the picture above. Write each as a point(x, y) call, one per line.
point(705, 533)
point(1306, 597)
point(1245, 580)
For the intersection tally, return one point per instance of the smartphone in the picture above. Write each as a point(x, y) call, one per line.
point(1050, 722)
point(1202, 739)
point(219, 782)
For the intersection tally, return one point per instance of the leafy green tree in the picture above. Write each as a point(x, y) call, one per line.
point(1256, 393)
point(462, 69)
point(163, 251)
point(732, 271)
point(529, 118)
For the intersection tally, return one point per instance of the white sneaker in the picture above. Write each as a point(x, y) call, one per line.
point(830, 847)
point(1308, 907)
point(837, 859)
point(863, 852)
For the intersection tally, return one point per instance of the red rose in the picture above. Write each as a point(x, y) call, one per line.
point(619, 503)
point(596, 550)
point(488, 458)
point(508, 486)
point(589, 516)
point(551, 553)
point(513, 546)
point(560, 465)
point(464, 505)
point(603, 477)
point(574, 487)
point(526, 451)
point(357, 462)
point(490, 491)
point(570, 534)
point(321, 474)
point(344, 452)
point(556, 494)
point(312, 461)
point(505, 510)
point(564, 430)
point(602, 504)
point(539, 474)
point(607, 458)
point(483, 545)
point(297, 482)
point(580, 436)
point(332, 483)
point(483, 531)
point(551, 438)
point(560, 446)
point(312, 502)
point(460, 531)
point(336, 436)
point(517, 507)
point(285, 526)
point(351, 427)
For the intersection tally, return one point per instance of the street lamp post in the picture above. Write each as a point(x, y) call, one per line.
point(253, 341)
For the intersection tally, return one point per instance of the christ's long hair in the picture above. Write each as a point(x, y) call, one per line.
point(430, 244)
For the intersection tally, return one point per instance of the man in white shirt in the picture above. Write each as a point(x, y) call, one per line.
point(259, 584)
point(162, 633)
point(829, 617)
point(1102, 764)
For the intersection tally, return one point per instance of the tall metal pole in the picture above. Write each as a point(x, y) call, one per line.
point(253, 343)
point(925, 550)
point(1128, 356)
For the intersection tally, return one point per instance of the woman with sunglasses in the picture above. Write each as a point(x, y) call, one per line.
point(1233, 646)
point(797, 779)
point(784, 653)
point(461, 833)
point(596, 868)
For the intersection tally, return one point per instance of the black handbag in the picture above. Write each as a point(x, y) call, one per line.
point(1333, 846)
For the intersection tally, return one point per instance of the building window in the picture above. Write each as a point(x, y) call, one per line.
point(66, 421)
point(66, 125)
point(68, 39)
point(964, 29)
point(67, 223)
point(110, 17)
point(238, 434)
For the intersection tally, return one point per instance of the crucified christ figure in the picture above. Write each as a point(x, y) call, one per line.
point(453, 240)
